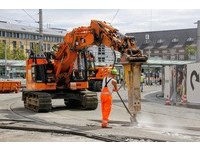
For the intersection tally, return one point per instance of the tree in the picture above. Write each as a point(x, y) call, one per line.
point(18, 54)
point(190, 50)
point(4, 48)
point(15, 54)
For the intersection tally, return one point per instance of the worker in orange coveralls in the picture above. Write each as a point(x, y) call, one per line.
point(108, 86)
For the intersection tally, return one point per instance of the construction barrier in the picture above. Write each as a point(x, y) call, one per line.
point(184, 100)
point(167, 101)
point(10, 86)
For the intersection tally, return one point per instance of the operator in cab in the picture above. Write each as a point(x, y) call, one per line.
point(109, 85)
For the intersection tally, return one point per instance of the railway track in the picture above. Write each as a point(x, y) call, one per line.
point(63, 129)
point(20, 119)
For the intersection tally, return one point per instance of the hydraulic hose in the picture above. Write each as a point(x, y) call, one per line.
point(114, 59)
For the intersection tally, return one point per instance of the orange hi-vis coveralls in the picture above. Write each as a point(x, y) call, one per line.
point(106, 100)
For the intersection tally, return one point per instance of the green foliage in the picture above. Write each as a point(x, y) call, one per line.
point(2, 52)
point(15, 54)
point(36, 48)
point(191, 50)
point(18, 54)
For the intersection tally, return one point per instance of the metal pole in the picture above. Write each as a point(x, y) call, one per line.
point(40, 31)
point(198, 42)
point(5, 62)
point(163, 79)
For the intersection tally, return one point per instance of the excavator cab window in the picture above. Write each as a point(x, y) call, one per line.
point(79, 72)
point(90, 63)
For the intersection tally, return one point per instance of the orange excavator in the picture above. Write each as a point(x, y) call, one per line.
point(63, 73)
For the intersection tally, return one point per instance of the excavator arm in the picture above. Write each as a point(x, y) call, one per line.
point(97, 33)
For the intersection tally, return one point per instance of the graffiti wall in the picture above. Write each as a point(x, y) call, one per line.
point(193, 83)
point(175, 82)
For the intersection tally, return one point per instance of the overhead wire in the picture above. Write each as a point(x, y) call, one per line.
point(30, 16)
point(18, 21)
point(114, 16)
point(114, 62)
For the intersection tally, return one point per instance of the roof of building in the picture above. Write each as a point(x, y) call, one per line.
point(149, 62)
point(13, 62)
point(167, 62)
point(165, 38)
point(30, 29)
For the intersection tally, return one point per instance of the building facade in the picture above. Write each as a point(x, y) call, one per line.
point(167, 44)
point(26, 37)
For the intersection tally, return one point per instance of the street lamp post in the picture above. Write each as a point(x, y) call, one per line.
point(5, 53)
point(40, 31)
point(198, 41)
point(149, 83)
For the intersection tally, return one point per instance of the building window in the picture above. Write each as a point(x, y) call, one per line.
point(173, 57)
point(44, 46)
point(17, 35)
point(3, 34)
point(23, 36)
point(156, 51)
point(31, 45)
point(181, 57)
point(172, 51)
point(26, 36)
point(14, 44)
point(60, 39)
point(165, 57)
point(20, 35)
point(21, 45)
point(9, 34)
point(174, 40)
point(182, 50)
point(48, 47)
point(147, 36)
point(190, 39)
point(160, 41)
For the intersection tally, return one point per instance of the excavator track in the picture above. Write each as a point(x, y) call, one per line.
point(84, 100)
point(89, 100)
point(37, 101)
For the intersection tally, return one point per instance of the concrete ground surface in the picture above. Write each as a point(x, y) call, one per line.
point(155, 120)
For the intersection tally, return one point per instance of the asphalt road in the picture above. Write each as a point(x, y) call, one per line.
point(155, 120)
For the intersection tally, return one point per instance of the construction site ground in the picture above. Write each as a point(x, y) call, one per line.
point(174, 123)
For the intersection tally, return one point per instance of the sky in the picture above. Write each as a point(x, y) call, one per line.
point(125, 20)
point(125, 15)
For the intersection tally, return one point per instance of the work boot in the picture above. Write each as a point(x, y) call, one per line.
point(106, 127)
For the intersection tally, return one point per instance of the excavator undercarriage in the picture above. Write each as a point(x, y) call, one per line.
point(42, 101)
